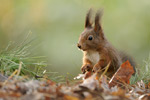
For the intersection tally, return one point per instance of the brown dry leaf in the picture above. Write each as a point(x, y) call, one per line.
point(148, 85)
point(58, 92)
point(87, 75)
point(90, 97)
point(67, 97)
point(104, 84)
point(51, 82)
point(83, 76)
point(80, 76)
point(33, 96)
point(91, 82)
point(122, 75)
point(3, 94)
point(144, 97)
point(14, 94)
point(120, 92)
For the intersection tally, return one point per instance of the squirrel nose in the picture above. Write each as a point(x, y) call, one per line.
point(79, 46)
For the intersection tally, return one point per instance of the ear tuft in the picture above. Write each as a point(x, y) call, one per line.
point(88, 22)
point(98, 19)
point(98, 27)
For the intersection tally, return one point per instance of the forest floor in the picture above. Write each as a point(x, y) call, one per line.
point(89, 86)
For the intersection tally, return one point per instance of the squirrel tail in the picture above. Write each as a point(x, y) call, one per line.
point(125, 57)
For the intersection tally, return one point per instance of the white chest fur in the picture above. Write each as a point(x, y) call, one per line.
point(93, 56)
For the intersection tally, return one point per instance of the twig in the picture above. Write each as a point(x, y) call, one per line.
point(106, 69)
point(10, 76)
point(19, 69)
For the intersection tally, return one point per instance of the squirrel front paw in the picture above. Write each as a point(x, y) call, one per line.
point(96, 68)
point(86, 67)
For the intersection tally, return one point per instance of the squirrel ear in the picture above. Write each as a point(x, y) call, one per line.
point(98, 27)
point(88, 23)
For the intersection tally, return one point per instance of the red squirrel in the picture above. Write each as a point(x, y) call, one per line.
point(97, 51)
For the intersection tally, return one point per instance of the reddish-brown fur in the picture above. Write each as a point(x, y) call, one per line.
point(98, 52)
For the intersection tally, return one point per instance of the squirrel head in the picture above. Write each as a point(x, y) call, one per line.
point(92, 38)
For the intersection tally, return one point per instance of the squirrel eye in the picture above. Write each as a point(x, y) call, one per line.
point(90, 38)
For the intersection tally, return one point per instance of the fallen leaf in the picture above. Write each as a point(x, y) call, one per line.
point(84, 76)
point(33, 96)
point(91, 82)
point(80, 76)
point(87, 74)
point(144, 97)
point(104, 84)
point(67, 97)
point(89, 97)
point(120, 92)
point(122, 75)
point(148, 85)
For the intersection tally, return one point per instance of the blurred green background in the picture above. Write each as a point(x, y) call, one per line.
point(56, 25)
